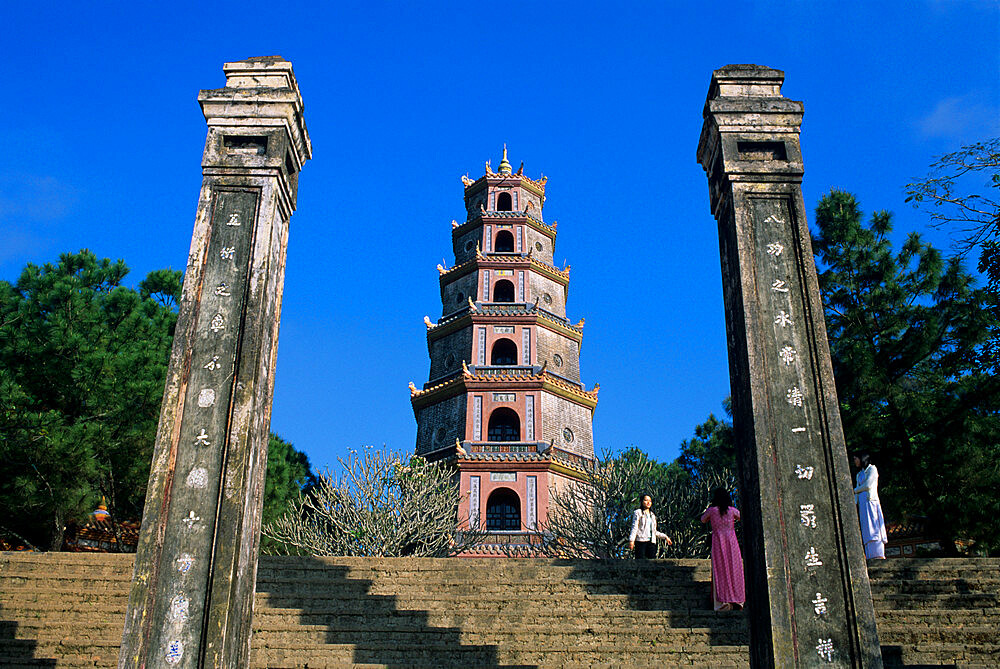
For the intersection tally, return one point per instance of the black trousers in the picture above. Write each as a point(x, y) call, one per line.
point(645, 550)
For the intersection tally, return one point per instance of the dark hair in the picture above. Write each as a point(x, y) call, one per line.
point(721, 499)
point(864, 457)
point(644, 496)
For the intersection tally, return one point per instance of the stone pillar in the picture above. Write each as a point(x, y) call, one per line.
point(191, 601)
point(808, 594)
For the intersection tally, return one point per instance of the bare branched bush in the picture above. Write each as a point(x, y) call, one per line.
point(679, 508)
point(381, 504)
point(592, 518)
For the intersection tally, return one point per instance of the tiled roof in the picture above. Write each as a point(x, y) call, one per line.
point(538, 184)
point(477, 218)
point(504, 259)
point(589, 397)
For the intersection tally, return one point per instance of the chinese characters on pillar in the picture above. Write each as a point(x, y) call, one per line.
point(780, 309)
point(203, 430)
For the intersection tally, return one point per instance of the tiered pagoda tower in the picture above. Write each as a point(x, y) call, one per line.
point(504, 401)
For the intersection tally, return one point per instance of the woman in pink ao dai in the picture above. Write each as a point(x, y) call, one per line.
point(727, 562)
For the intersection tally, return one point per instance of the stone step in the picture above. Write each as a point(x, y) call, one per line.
point(290, 618)
point(938, 616)
point(939, 586)
point(512, 604)
point(340, 655)
point(959, 655)
point(514, 638)
point(439, 613)
point(915, 634)
point(923, 601)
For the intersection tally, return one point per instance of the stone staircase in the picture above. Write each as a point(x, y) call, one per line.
point(67, 610)
point(937, 612)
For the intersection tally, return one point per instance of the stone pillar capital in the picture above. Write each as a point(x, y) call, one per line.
point(259, 93)
point(750, 131)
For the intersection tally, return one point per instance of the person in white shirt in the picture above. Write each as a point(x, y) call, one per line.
point(642, 538)
point(869, 509)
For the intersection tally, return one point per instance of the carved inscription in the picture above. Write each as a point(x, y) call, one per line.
point(205, 417)
point(805, 485)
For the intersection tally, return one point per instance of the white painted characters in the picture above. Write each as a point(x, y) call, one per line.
point(803, 472)
point(794, 396)
point(812, 558)
point(807, 514)
point(787, 355)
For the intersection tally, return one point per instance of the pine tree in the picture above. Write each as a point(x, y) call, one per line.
point(906, 330)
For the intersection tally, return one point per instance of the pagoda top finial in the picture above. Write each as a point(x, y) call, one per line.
point(504, 165)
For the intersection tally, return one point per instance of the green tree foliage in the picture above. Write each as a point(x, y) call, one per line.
point(82, 365)
point(906, 329)
point(288, 473)
point(712, 449)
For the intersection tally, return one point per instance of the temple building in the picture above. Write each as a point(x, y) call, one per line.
point(504, 401)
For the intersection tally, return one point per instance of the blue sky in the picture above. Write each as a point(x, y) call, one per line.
point(102, 140)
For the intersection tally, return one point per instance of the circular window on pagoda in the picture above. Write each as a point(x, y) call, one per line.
point(538, 246)
point(469, 245)
point(449, 360)
point(568, 435)
point(557, 360)
point(439, 435)
point(546, 298)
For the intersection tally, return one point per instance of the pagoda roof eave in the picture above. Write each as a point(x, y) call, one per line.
point(498, 262)
point(537, 316)
point(469, 381)
point(544, 228)
point(536, 186)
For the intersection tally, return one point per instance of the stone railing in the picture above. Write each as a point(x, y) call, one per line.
point(506, 446)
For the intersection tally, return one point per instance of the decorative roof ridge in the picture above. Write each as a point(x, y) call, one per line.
point(549, 316)
point(542, 375)
point(505, 214)
point(566, 385)
point(417, 392)
point(539, 183)
point(501, 309)
point(489, 256)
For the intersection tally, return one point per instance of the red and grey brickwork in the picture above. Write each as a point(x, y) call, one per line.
point(504, 401)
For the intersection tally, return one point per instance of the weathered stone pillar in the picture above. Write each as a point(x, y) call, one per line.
point(192, 592)
point(808, 594)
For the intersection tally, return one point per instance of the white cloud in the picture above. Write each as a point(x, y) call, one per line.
point(963, 118)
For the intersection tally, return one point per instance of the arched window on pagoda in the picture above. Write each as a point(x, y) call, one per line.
point(504, 241)
point(504, 353)
point(503, 511)
point(504, 202)
point(503, 291)
point(505, 425)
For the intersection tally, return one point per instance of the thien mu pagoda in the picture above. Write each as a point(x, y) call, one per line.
point(504, 401)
